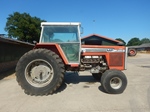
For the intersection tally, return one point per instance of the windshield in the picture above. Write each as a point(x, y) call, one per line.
point(60, 33)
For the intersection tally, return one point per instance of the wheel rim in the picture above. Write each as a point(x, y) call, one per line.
point(39, 73)
point(132, 52)
point(115, 82)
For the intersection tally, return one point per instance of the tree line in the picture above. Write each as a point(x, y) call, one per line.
point(135, 41)
point(24, 27)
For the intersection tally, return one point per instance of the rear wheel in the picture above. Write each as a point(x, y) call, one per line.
point(40, 72)
point(114, 81)
point(132, 52)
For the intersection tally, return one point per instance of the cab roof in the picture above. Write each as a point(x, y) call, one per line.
point(60, 23)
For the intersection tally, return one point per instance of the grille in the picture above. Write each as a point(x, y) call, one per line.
point(116, 59)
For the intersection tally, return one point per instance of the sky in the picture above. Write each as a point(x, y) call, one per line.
point(123, 19)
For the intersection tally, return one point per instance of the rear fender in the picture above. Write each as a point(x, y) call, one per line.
point(55, 48)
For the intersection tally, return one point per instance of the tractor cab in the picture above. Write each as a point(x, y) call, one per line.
point(66, 36)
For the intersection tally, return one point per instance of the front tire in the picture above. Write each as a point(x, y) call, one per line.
point(114, 81)
point(40, 72)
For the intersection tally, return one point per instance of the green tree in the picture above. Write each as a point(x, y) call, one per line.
point(145, 40)
point(119, 39)
point(23, 27)
point(134, 41)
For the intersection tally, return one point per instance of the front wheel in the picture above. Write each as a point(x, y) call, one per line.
point(40, 72)
point(114, 81)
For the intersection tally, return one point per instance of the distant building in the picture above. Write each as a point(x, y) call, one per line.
point(95, 39)
point(10, 52)
point(145, 47)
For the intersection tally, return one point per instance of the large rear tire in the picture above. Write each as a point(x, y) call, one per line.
point(114, 81)
point(40, 72)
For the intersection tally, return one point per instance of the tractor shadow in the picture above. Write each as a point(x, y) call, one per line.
point(7, 73)
point(76, 78)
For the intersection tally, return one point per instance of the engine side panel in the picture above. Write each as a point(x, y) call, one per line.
point(115, 56)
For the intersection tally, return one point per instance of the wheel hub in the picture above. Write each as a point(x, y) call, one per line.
point(115, 82)
point(40, 73)
point(132, 52)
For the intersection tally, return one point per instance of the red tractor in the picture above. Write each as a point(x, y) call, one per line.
point(41, 70)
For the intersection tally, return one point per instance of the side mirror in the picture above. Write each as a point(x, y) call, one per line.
point(81, 30)
point(34, 42)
